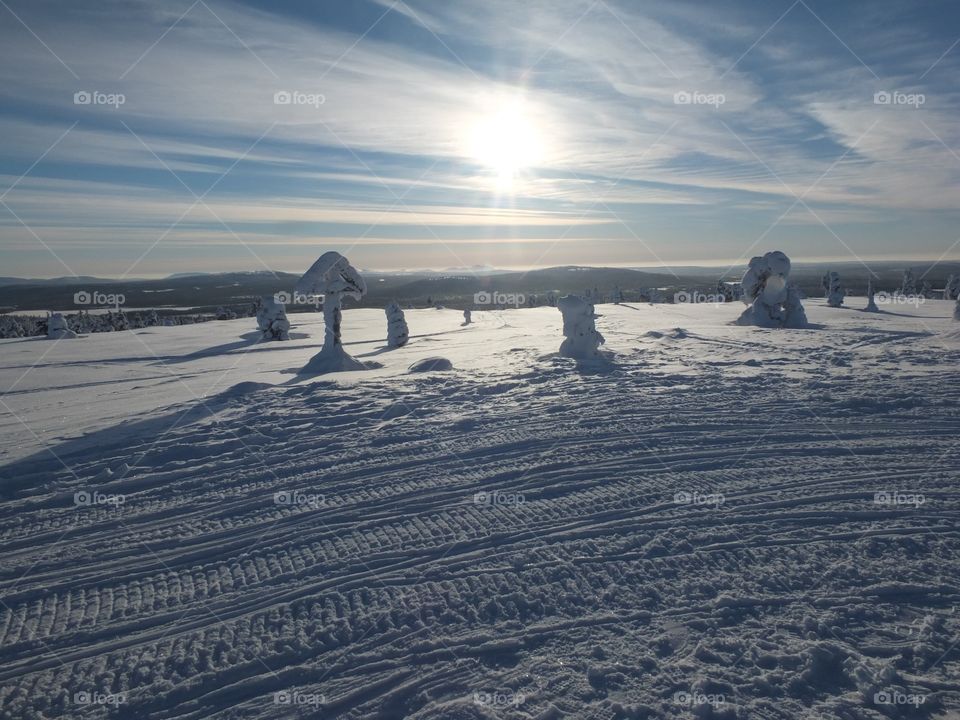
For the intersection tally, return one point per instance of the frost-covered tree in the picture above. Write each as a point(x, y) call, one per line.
point(616, 297)
point(582, 340)
point(272, 319)
point(333, 277)
point(956, 311)
point(834, 289)
point(952, 289)
point(772, 301)
point(397, 331)
point(926, 289)
point(871, 302)
point(57, 328)
point(225, 314)
point(909, 284)
point(466, 316)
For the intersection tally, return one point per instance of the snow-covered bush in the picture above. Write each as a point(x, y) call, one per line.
point(582, 339)
point(57, 328)
point(397, 331)
point(833, 288)
point(952, 289)
point(956, 311)
point(272, 319)
point(871, 302)
point(466, 317)
point(909, 285)
point(225, 314)
point(332, 276)
point(772, 301)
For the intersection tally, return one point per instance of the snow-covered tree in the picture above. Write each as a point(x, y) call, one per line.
point(466, 316)
point(772, 301)
point(582, 340)
point(909, 285)
point(952, 289)
point(225, 313)
point(956, 311)
point(871, 302)
point(272, 319)
point(616, 297)
point(397, 331)
point(926, 289)
point(57, 328)
point(834, 289)
point(333, 277)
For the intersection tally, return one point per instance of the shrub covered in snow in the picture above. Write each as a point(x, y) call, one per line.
point(57, 327)
point(909, 284)
point(466, 317)
point(772, 301)
point(871, 302)
point(582, 339)
point(956, 311)
point(833, 288)
point(334, 277)
point(397, 331)
point(272, 319)
point(952, 289)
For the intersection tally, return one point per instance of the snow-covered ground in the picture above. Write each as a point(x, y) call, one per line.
point(722, 521)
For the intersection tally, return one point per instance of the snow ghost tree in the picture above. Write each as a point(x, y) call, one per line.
point(926, 289)
point(956, 311)
point(333, 277)
point(466, 316)
point(871, 302)
point(909, 285)
point(57, 328)
point(582, 340)
point(831, 282)
point(397, 331)
point(952, 289)
point(272, 319)
point(772, 301)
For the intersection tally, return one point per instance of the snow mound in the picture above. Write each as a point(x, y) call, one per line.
point(431, 364)
point(332, 358)
point(773, 303)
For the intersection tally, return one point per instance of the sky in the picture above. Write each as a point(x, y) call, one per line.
point(140, 139)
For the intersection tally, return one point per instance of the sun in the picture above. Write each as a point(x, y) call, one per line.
point(506, 142)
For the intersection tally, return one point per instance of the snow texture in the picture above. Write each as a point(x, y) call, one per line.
point(772, 301)
point(582, 341)
point(272, 319)
point(397, 332)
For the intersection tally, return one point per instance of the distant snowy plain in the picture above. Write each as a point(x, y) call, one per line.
point(720, 522)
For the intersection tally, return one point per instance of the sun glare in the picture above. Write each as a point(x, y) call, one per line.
point(506, 142)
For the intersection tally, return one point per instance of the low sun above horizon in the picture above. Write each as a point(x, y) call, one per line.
point(506, 142)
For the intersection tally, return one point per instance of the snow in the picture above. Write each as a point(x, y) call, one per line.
point(191, 529)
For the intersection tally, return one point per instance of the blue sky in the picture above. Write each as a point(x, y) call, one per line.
point(451, 134)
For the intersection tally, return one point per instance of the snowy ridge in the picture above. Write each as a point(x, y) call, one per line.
point(721, 524)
